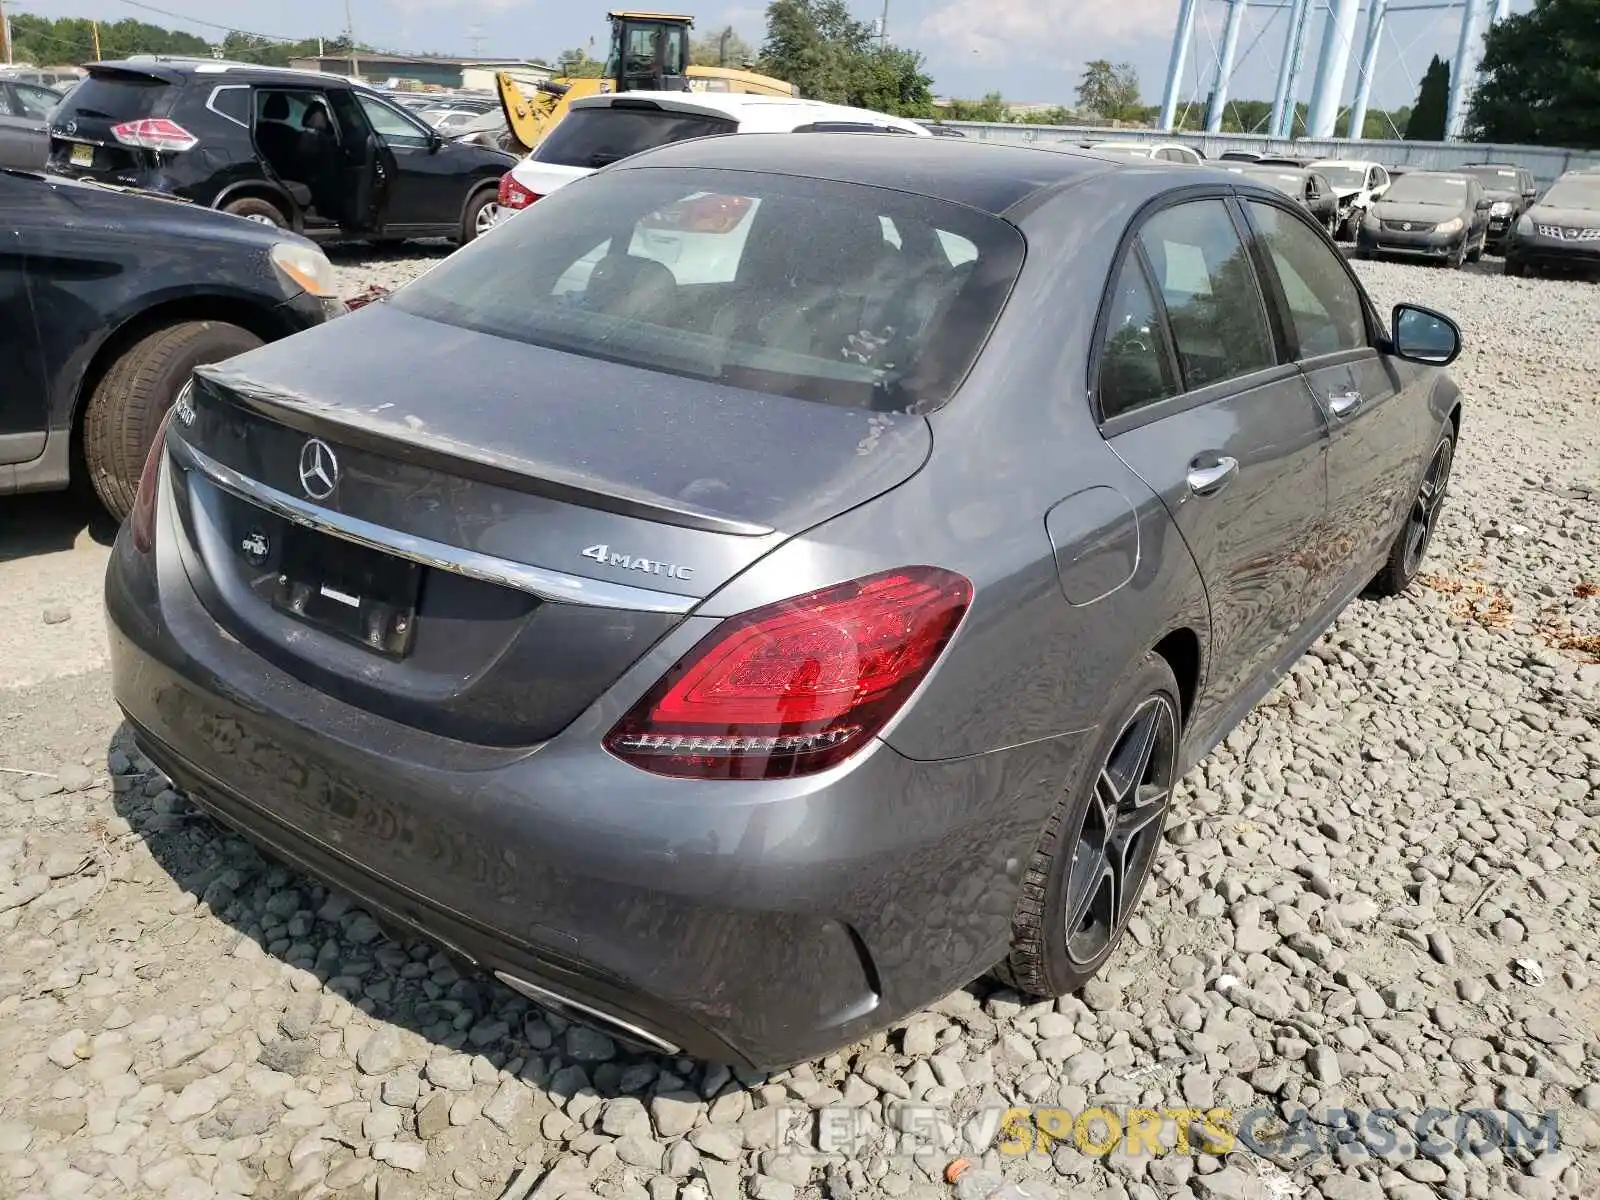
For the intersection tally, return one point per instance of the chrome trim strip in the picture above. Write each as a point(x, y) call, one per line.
point(545, 995)
point(547, 584)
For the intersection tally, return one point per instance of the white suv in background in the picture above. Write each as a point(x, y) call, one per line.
point(600, 130)
point(1357, 185)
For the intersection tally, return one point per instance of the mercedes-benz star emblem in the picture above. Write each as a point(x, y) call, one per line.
point(319, 469)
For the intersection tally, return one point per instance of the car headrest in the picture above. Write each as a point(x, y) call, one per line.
point(276, 108)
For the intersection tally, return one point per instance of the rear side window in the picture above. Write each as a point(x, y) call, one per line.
point(776, 284)
point(117, 97)
point(36, 102)
point(1134, 367)
point(1212, 297)
point(596, 137)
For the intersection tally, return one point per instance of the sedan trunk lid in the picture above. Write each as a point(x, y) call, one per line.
point(534, 532)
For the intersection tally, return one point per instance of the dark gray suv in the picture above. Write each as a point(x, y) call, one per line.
point(777, 578)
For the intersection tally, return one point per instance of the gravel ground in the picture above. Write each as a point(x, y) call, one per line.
point(1381, 893)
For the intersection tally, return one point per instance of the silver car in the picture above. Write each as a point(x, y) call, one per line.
point(743, 645)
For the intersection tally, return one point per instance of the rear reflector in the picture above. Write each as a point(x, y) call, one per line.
point(797, 686)
point(154, 133)
point(513, 195)
point(142, 518)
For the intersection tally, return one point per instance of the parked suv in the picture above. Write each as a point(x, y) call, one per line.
point(1511, 190)
point(600, 130)
point(301, 150)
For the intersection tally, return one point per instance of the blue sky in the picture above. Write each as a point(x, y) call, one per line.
point(1029, 50)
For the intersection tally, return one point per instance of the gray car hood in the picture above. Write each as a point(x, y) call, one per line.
point(1575, 218)
point(1422, 214)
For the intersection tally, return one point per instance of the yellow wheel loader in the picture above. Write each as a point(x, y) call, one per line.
point(649, 52)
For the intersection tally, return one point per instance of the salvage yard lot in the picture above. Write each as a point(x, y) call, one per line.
point(1383, 891)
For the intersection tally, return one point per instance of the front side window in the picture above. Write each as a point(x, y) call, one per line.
point(1209, 286)
point(389, 124)
point(770, 283)
point(1325, 309)
point(36, 102)
point(1134, 367)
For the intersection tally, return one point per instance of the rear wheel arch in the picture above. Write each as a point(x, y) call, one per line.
point(261, 189)
point(1181, 650)
point(226, 310)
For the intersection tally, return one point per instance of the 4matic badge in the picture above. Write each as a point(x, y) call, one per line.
point(605, 555)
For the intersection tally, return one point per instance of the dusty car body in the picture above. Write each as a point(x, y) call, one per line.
point(848, 638)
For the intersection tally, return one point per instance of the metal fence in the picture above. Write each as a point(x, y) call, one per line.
point(1545, 162)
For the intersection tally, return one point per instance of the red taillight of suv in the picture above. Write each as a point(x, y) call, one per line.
point(797, 686)
point(513, 195)
point(154, 133)
point(142, 517)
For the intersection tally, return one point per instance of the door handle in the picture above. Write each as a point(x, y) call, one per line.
point(1205, 481)
point(1342, 404)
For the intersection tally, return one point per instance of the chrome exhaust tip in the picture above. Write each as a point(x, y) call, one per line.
point(568, 1006)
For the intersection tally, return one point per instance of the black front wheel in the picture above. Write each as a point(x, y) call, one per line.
point(1411, 544)
point(1096, 851)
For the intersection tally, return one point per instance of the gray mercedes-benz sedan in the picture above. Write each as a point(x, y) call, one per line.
point(775, 580)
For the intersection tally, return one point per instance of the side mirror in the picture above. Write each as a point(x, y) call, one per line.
point(1485, 204)
point(435, 141)
point(1422, 335)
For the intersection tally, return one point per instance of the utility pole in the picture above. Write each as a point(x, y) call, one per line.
point(883, 27)
point(5, 33)
point(94, 28)
point(350, 35)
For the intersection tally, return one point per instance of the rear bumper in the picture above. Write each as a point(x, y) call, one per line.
point(757, 924)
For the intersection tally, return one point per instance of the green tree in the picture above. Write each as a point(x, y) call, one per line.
point(724, 48)
point(1109, 92)
point(991, 108)
point(576, 64)
point(829, 55)
point(1433, 99)
point(1539, 81)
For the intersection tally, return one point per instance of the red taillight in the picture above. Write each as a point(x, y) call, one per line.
point(154, 133)
point(797, 686)
point(142, 520)
point(702, 214)
point(513, 194)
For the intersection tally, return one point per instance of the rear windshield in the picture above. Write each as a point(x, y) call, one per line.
point(849, 295)
point(1428, 189)
point(116, 97)
point(595, 137)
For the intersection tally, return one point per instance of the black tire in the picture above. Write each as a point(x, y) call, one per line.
point(257, 209)
point(1410, 547)
point(1455, 261)
point(128, 403)
point(486, 198)
point(1477, 254)
point(1364, 254)
point(1350, 227)
point(1040, 962)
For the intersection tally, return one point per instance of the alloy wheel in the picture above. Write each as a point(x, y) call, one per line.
point(261, 219)
point(486, 218)
point(1121, 830)
point(1425, 509)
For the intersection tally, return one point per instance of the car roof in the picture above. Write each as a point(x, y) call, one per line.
point(989, 176)
point(772, 112)
point(1346, 162)
point(175, 69)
